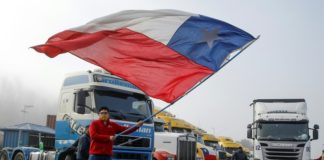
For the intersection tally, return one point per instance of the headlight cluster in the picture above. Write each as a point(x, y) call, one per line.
point(170, 158)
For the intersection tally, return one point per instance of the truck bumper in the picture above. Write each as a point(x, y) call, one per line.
point(130, 154)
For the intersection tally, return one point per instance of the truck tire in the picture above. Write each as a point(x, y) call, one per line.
point(19, 156)
point(70, 157)
point(3, 155)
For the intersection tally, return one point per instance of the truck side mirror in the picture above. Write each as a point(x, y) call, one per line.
point(81, 110)
point(222, 155)
point(169, 127)
point(81, 98)
point(150, 103)
point(81, 101)
point(249, 131)
point(315, 134)
point(259, 126)
point(213, 145)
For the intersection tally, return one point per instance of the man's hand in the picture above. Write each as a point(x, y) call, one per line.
point(139, 123)
point(112, 138)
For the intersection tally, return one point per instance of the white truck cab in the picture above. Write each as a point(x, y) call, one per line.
point(280, 129)
point(82, 95)
point(172, 146)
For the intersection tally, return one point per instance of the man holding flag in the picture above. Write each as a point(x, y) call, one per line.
point(102, 134)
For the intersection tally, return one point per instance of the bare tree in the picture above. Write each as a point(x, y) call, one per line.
point(246, 143)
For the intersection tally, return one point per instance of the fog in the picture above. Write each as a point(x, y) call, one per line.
point(286, 62)
point(16, 97)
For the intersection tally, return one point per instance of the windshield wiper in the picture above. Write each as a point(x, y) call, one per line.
point(269, 138)
point(289, 139)
point(280, 139)
point(137, 114)
point(119, 114)
point(91, 109)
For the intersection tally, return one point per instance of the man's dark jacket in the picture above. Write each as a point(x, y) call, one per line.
point(83, 147)
point(239, 155)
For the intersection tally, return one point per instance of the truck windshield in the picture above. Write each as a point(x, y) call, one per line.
point(283, 131)
point(180, 130)
point(158, 127)
point(200, 140)
point(230, 150)
point(123, 105)
point(213, 144)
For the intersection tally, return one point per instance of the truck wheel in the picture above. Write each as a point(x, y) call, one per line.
point(70, 157)
point(19, 156)
point(3, 155)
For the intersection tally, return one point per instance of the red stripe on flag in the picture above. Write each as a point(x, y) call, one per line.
point(210, 157)
point(150, 65)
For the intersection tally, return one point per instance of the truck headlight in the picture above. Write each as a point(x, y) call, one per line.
point(170, 157)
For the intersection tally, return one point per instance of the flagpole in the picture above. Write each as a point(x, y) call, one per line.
point(191, 89)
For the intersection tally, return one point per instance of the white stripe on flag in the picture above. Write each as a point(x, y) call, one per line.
point(166, 22)
point(160, 29)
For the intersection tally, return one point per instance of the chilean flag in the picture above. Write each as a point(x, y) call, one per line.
point(209, 153)
point(162, 52)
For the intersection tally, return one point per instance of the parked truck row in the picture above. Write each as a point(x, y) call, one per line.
point(279, 129)
point(81, 95)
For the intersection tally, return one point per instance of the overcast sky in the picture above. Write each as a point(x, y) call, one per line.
point(286, 62)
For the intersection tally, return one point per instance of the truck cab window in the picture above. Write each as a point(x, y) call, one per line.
point(123, 105)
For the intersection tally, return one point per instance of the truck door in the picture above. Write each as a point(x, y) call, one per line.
point(82, 111)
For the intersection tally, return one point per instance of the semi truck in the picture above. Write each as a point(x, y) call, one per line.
point(228, 145)
point(208, 152)
point(211, 141)
point(175, 125)
point(179, 126)
point(173, 146)
point(280, 129)
point(81, 95)
point(229, 148)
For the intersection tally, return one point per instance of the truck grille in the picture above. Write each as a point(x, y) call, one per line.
point(282, 153)
point(186, 148)
point(130, 156)
point(131, 141)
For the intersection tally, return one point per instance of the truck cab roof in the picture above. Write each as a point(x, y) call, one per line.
point(209, 137)
point(280, 109)
point(278, 100)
